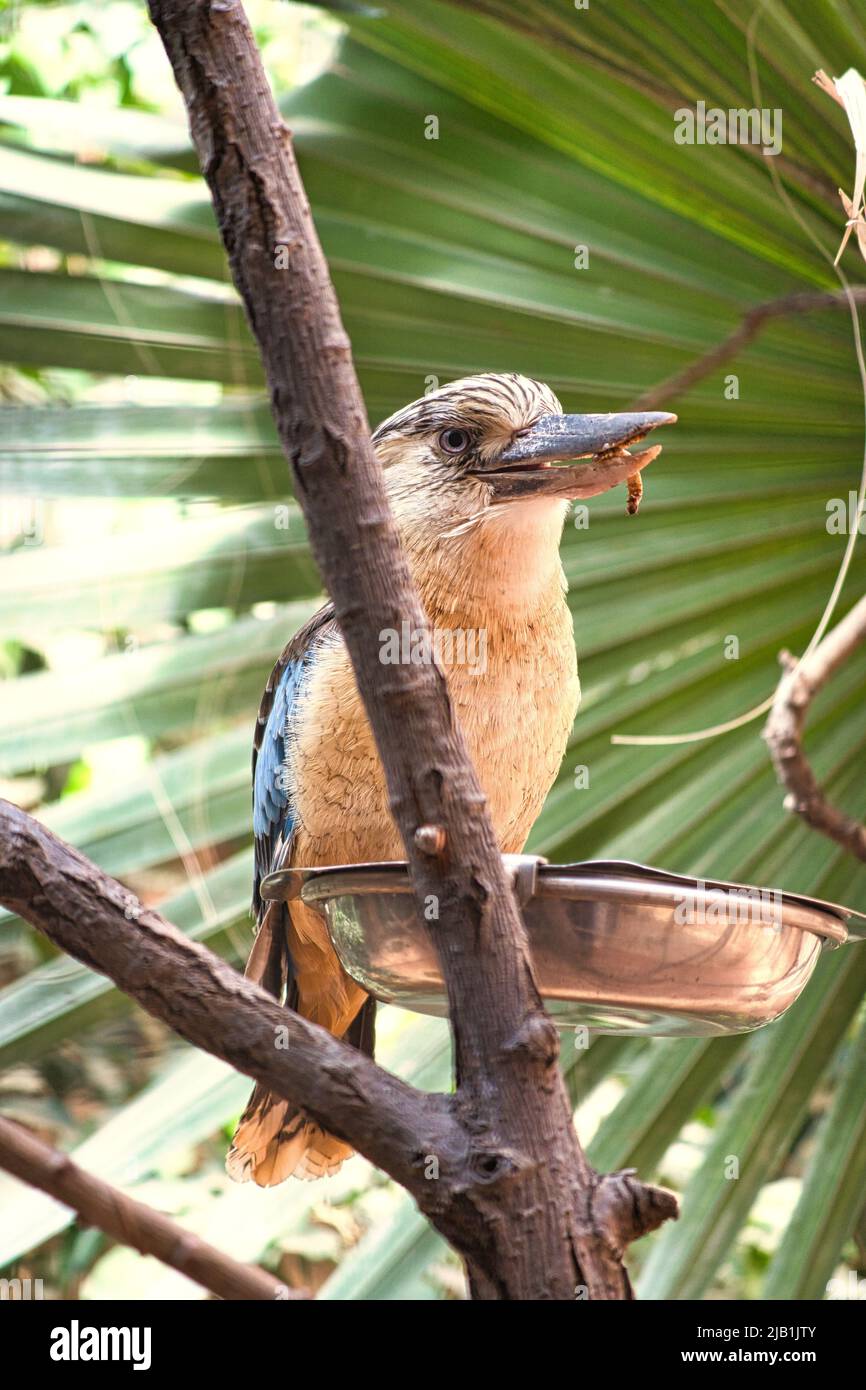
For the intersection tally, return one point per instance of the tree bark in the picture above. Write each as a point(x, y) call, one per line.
point(515, 1193)
point(92, 917)
point(511, 1100)
point(151, 1232)
point(783, 734)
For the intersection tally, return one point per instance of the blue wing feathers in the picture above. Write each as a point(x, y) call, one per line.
point(271, 784)
point(273, 818)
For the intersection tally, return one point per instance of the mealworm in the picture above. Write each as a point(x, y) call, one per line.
point(635, 492)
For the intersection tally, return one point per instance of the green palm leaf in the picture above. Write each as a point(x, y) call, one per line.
point(450, 255)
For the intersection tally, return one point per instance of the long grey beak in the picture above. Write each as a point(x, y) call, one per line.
point(555, 438)
point(523, 468)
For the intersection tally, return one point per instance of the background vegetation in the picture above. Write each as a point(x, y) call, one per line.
point(153, 567)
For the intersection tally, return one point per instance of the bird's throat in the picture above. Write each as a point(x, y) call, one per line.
point(504, 567)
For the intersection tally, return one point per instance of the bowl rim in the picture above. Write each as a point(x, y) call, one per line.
point(601, 879)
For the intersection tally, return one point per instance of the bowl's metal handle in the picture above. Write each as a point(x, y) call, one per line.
point(523, 869)
point(286, 885)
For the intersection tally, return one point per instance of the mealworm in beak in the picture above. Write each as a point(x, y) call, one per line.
point(635, 493)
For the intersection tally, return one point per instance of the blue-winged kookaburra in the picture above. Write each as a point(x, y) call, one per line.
point(480, 510)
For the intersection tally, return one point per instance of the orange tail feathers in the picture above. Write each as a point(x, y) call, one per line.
point(275, 1140)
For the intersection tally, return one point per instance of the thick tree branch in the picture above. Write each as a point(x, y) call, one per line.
point(784, 731)
point(523, 1234)
point(95, 919)
point(99, 1204)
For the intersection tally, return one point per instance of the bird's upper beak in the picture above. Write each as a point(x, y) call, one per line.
point(523, 469)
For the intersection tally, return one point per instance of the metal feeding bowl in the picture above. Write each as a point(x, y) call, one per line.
point(617, 947)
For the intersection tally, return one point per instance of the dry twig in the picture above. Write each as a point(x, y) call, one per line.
point(784, 731)
point(152, 1233)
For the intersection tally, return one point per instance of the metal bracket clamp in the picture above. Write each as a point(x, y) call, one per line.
point(523, 871)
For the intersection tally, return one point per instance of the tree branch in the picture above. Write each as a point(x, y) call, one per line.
point(150, 1232)
point(95, 919)
point(784, 731)
point(748, 329)
point(521, 1230)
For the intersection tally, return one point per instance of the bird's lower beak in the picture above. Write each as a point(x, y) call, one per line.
point(524, 469)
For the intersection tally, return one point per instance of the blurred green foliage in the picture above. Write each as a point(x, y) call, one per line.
point(149, 583)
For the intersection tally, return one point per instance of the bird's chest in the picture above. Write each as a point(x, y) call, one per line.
point(517, 718)
point(515, 693)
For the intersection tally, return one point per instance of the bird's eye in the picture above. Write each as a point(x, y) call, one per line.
point(454, 441)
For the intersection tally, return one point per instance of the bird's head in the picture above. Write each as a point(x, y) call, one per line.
point(486, 448)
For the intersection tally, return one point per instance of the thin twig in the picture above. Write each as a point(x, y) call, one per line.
point(746, 331)
point(124, 1219)
point(827, 85)
point(688, 377)
point(784, 731)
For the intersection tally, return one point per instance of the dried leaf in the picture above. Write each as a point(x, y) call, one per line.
point(849, 91)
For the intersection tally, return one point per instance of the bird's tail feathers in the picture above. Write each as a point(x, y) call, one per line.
point(275, 1140)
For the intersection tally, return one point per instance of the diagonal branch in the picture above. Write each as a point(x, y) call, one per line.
point(133, 1223)
point(95, 919)
point(784, 731)
point(746, 331)
point(247, 158)
point(521, 1229)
